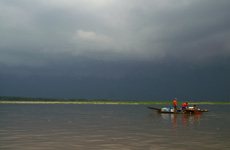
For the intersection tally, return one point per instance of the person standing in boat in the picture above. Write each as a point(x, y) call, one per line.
point(175, 104)
point(185, 106)
point(195, 108)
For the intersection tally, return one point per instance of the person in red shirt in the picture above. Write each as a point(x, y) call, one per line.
point(185, 105)
point(175, 104)
point(195, 108)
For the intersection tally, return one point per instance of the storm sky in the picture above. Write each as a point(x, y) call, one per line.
point(115, 49)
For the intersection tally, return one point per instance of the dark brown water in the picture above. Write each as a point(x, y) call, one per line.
point(110, 127)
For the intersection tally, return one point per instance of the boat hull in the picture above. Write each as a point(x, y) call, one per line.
point(185, 111)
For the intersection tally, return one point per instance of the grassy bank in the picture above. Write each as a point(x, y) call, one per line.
point(112, 102)
point(43, 100)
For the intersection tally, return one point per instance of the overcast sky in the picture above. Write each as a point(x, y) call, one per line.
point(115, 49)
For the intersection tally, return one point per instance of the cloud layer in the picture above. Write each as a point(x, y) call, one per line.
point(112, 39)
point(131, 29)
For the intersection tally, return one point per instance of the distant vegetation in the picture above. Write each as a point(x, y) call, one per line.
point(28, 99)
point(15, 99)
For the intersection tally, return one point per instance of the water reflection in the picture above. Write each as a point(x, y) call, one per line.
point(175, 121)
point(184, 121)
point(177, 125)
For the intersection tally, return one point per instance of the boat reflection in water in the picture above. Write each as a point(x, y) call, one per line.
point(186, 118)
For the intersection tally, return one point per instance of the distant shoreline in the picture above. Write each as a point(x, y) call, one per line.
point(43, 100)
point(110, 102)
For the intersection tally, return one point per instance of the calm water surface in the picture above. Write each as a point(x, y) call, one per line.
point(110, 127)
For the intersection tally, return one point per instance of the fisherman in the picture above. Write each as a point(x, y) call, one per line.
point(195, 108)
point(175, 104)
point(185, 106)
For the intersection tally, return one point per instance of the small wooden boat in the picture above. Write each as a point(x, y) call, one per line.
point(184, 111)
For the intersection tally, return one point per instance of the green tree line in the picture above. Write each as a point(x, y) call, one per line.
point(17, 98)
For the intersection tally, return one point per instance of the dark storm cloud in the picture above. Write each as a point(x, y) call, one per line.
point(115, 30)
point(129, 47)
point(136, 82)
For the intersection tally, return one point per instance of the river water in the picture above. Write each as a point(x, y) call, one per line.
point(111, 127)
